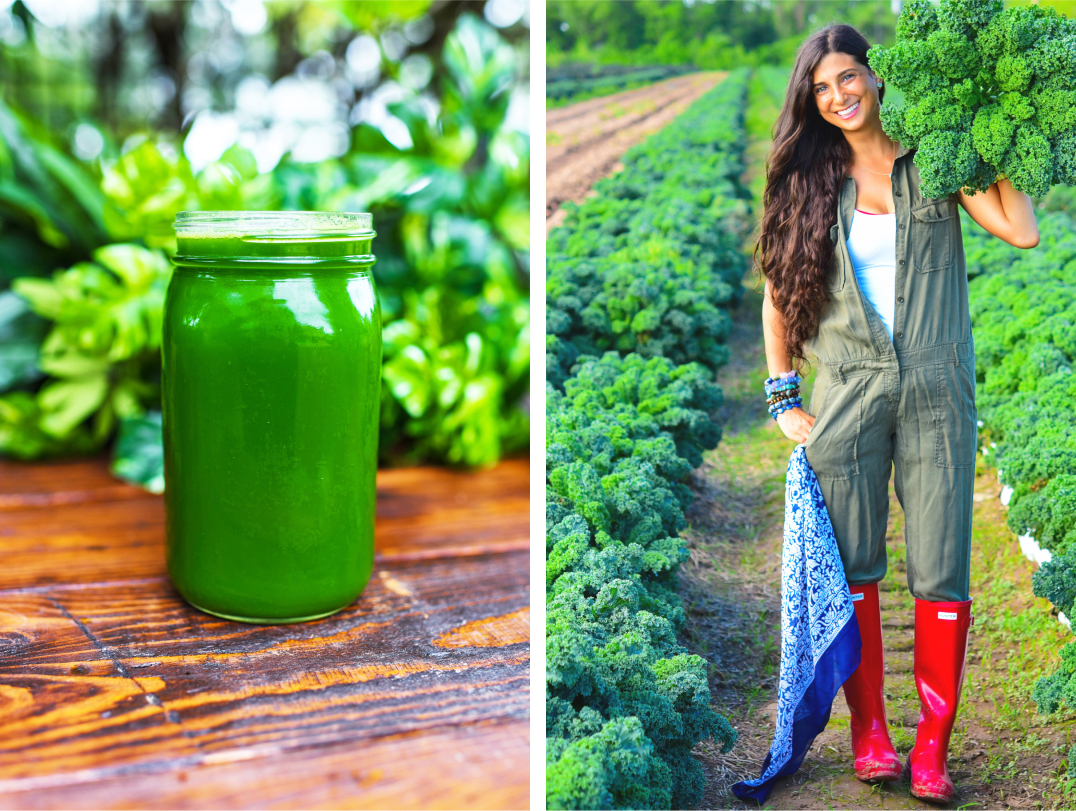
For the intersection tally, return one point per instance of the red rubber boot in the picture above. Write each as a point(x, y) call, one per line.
point(941, 644)
point(874, 753)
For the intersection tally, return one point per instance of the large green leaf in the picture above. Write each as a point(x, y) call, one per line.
point(109, 308)
point(481, 68)
point(139, 455)
point(41, 185)
point(67, 403)
point(21, 333)
point(146, 187)
point(408, 378)
point(21, 435)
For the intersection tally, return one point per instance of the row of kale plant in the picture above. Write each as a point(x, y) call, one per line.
point(1023, 307)
point(590, 81)
point(640, 278)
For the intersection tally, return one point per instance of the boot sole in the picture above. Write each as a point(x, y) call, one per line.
point(934, 798)
point(920, 793)
point(878, 776)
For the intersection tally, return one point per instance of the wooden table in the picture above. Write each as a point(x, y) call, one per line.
point(115, 693)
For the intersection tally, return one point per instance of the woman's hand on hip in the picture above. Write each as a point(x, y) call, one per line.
point(796, 423)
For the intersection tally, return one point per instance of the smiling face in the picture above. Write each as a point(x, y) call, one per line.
point(839, 83)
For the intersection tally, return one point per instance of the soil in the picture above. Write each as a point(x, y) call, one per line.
point(1003, 753)
point(584, 141)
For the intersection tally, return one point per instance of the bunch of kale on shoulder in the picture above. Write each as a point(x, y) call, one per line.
point(988, 93)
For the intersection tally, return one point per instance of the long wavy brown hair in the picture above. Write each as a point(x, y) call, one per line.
point(807, 163)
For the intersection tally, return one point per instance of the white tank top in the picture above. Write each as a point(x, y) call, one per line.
point(872, 247)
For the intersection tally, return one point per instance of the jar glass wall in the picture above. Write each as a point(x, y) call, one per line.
point(271, 385)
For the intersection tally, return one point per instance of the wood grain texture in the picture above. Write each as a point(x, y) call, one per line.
point(115, 693)
point(88, 529)
point(489, 766)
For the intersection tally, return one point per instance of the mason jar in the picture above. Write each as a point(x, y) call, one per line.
point(270, 388)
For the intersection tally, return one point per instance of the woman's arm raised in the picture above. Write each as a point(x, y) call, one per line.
point(795, 423)
point(1005, 212)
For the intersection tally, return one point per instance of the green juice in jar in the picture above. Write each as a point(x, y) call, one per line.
point(271, 386)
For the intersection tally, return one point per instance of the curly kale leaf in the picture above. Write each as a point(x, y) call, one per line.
point(1047, 514)
point(613, 767)
point(103, 344)
point(1050, 692)
point(1056, 581)
point(649, 299)
point(918, 20)
point(1004, 77)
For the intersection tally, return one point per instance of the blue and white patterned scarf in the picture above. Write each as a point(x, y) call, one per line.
point(820, 643)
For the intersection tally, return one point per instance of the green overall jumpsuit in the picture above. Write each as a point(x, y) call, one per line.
point(908, 402)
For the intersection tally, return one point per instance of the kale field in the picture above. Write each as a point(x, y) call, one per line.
point(639, 281)
point(1024, 311)
point(663, 544)
point(572, 83)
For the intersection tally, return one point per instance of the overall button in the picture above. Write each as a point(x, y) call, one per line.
point(902, 226)
point(900, 334)
point(902, 261)
point(900, 299)
point(896, 192)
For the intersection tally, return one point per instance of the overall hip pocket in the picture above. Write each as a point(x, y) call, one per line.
point(831, 445)
point(955, 416)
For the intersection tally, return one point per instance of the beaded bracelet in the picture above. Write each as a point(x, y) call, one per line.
point(785, 380)
point(779, 389)
point(783, 376)
point(783, 393)
point(795, 397)
point(779, 385)
point(786, 401)
point(779, 400)
point(781, 409)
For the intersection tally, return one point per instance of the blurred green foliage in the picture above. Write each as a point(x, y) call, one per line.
point(51, 208)
point(151, 182)
point(80, 329)
point(710, 35)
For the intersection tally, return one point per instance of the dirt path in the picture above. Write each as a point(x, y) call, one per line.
point(584, 141)
point(1003, 754)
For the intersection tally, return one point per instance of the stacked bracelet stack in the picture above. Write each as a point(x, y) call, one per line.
point(783, 393)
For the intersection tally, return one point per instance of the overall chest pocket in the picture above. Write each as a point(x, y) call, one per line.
point(931, 245)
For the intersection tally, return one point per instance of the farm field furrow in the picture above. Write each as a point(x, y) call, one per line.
point(585, 141)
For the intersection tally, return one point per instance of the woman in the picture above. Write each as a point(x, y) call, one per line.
point(868, 275)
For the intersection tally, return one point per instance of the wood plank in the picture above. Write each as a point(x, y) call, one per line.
point(115, 693)
point(68, 481)
point(428, 512)
point(47, 484)
point(82, 542)
point(93, 531)
point(153, 685)
point(489, 767)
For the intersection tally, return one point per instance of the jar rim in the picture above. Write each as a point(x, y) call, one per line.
point(280, 224)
